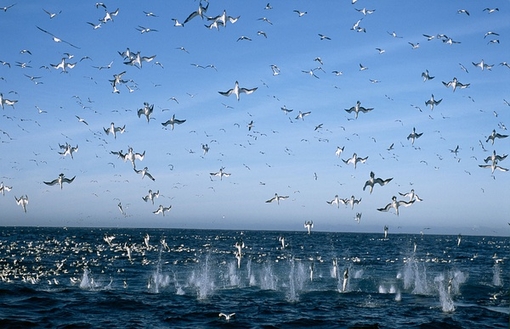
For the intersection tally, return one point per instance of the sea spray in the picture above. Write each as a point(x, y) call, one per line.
point(444, 296)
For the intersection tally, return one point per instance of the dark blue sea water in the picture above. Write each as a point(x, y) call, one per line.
point(74, 278)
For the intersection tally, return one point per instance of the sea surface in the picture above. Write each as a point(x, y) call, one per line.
point(173, 278)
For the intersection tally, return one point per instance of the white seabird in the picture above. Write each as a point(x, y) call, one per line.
point(357, 108)
point(146, 110)
point(144, 172)
point(4, 188)
point(372, 181)
point(114, 130)
point(413, 136)
point(162, 210)
point(60, 180)
point(308, 225)
point(395, 204)
point(22, 201)
point(355, 159)
point(173, 121)
point(237, 90)
point(220, 173)
point(277, 198)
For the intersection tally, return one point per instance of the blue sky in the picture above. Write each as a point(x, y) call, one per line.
point(280, 154)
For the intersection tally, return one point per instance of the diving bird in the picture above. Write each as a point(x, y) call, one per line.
point(413, 136)
point(339, 150)
point(395, 204)
point(358, 217)
point(146, 110)
point(494, 135)
point(4, 188)
point(162, 210)
point(337, 201)
point(411, 195)
point(144, 172)
point(426, 76)
point(357, 108)
point(68, 149)
point(220, 173)
point(353, 201)
point(130, 155)
point(277, 198)
point(493, 165)
point(355, 159)
point(372, 181)
point(114, 130)
point(432, 102)
point(302, 115)
point(22, 201)
point(60, 180)
point(308, 225)
point(483, 65)
point(237, 90)
point(151, 196)
point(5, 101)
point(173, 121)
point(199, 12)
point(454, 83)
point(495, 158)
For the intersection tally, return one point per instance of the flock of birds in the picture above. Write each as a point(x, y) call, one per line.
point(135, 61)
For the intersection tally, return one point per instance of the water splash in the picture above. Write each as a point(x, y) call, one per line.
point(268, 281)
point(87, 282)
point(415, 277)
point(496, 276)
point(444, 297)
point(202, 281)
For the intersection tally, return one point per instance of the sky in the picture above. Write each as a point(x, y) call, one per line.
point(281, 153)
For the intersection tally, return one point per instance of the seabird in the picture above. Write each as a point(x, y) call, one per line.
point(337, 201)
point(22, 201)
point(454, 83)
point(114, 130)
point(146, 110)
point(413, 136)
point(494, 135)
point(411, 195)
point(220, 173)
point(277, 198)
point(353, 201)
point(173, 122)
point(5, 101)
point(426, 76)
point(308, 225)
point(396, 204)
point(237, 90)
point(372, 181)
point(358, 217)
point(56, 39)
point(151, 196)
point(68, 149)
point(60, 180)
point(226, 316)
point(355, 159)
point(432, 102)
point(4, 188)
point(162, 210)
point(199, 12)
point(357, 108)
point(302, 115)
point(144, 172)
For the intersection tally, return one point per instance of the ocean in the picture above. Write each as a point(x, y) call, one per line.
point(174, 278)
